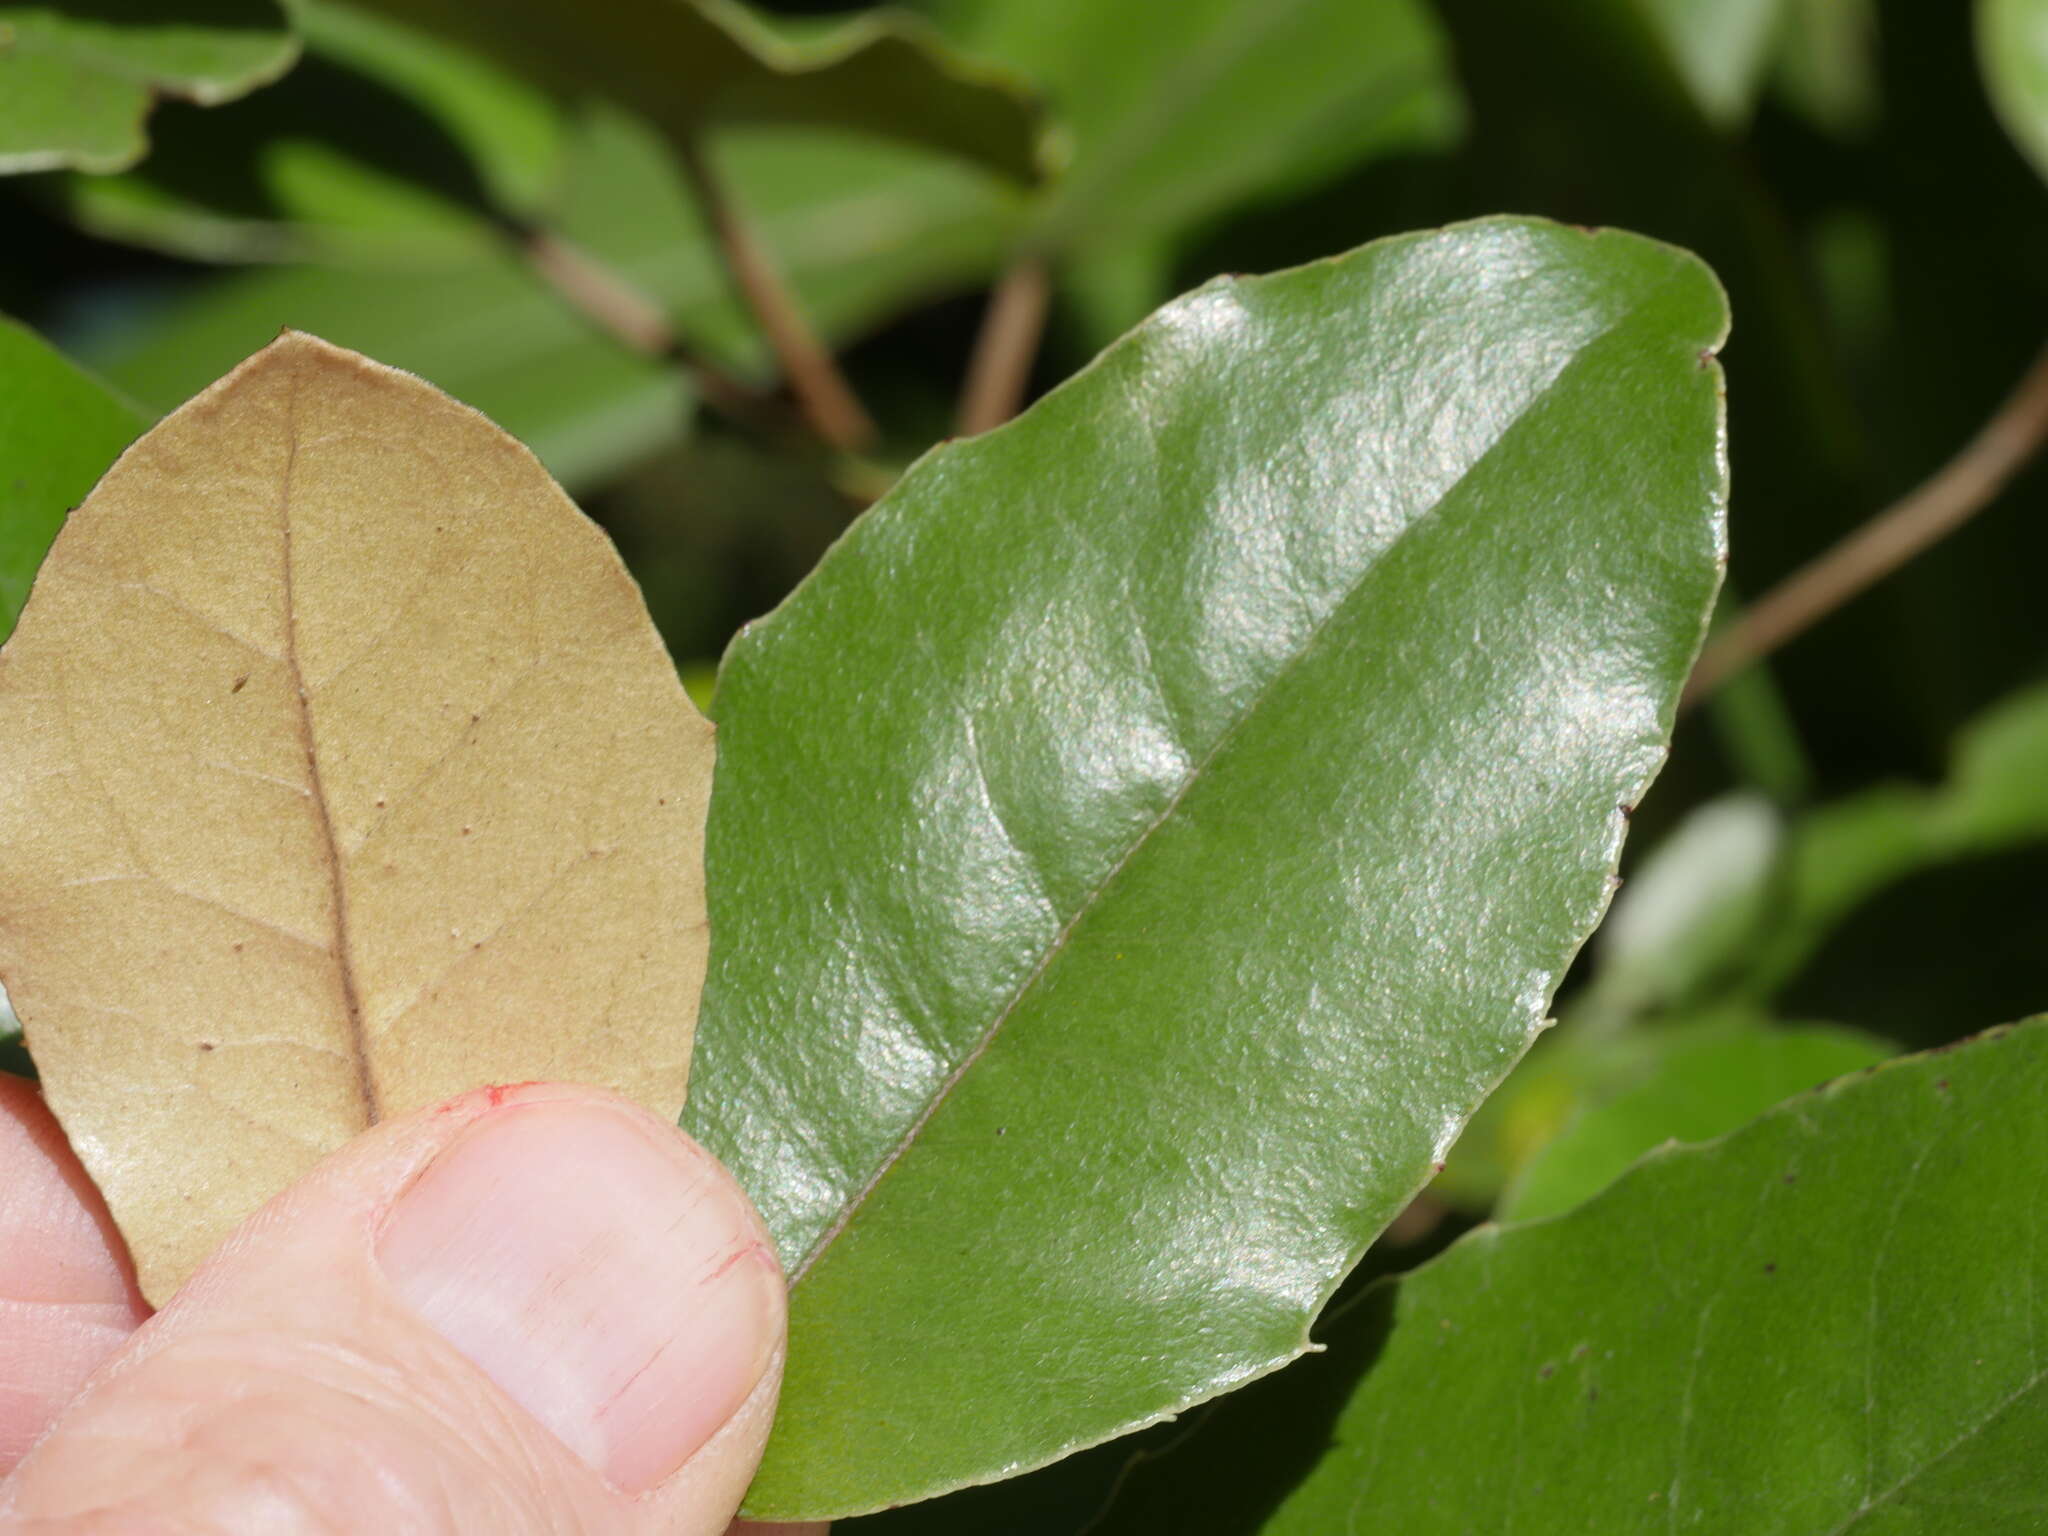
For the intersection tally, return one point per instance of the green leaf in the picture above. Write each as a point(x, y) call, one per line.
point(860, 227)
point(1841, 855)
point(1720, 48)
point(1706, 1085)
point(1571, 1068)
point(59, 430)
point(1735, 901)
point(390, 146)
point(77, 82)
point(1771, 1334)
point(2012, 46)
point(492, 334)
point(687, 65)
point(1182, 109)
point(1694, 902)
point(1156, 825)
point(1825, 66)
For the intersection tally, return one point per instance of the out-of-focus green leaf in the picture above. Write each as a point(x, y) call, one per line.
point(859, 226)
point(1770, 1334)
point(1152, 830)
point(1825, 65)
point(492, 334)
point(688, 65)
point(59, 430)
point(1181, 109)
point(1720, 49)
point(2012, 46)
point(77, 82)
point(1706, 1085)
point(1733, 902)
point(1696, 898)
point(1569, 1069)
point(509, 129)
point(390, 146)
point(1727, 910)
point(1997, 794)
point(1840, 855)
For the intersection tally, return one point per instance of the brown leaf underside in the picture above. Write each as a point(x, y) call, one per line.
point(340, 770)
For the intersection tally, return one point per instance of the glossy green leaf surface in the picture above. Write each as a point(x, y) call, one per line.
point(1767, 1336)
point(690, 64)
point(1708, 1084)
point(2012, 44)
point(1179, 109)
point(1158, 823)
point(59, 430)
point(77, 82)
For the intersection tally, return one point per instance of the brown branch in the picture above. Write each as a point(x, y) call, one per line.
point(1000, 368)
point(598, 293)
point(1957, 491)
point(625, 312)
point(822, 393)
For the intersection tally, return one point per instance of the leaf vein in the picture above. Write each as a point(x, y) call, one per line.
point(1309, 642)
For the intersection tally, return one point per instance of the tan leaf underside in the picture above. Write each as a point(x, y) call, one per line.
point(340, 770)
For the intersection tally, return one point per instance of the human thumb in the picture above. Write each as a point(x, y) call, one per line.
point(534, 1310)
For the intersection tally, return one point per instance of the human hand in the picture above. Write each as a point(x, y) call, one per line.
point(527, 1310)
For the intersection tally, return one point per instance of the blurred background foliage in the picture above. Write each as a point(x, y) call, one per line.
point(1848, 854)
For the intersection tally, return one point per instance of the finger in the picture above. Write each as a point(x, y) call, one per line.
point(67, 1296)
point(533, 1309)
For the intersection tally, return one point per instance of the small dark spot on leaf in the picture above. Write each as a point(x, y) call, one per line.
point(473, 719)
point(466, 831)
point(1592, 1394)
point(1002, 1130)
point(1770, 1269)
point(1942, 1085)
point(1549, 1370)
point(1578, 1351)
point(1439, 1167)
point(240, 683)
point(238, 946)
point(380, 805)
point(663, 800)
point(206, 1045)
point(1791, 1176)
point(1706, 358)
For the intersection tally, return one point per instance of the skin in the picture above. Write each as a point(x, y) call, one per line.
point(327, 1371)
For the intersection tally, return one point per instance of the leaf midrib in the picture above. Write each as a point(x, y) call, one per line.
point(1057, 944)
point(356, 1044)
